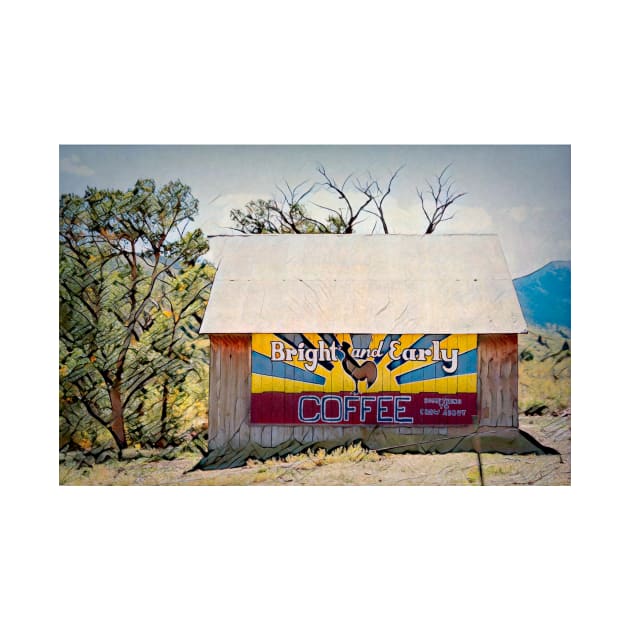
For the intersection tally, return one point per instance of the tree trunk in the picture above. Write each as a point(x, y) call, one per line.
point(118, 422)
point(164, 411)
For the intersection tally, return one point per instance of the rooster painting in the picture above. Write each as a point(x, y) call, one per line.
point(366, 371)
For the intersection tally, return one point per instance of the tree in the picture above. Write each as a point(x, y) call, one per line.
point(359, 197)
point(288, 214)
point(442, 197)
point(285, 215)
point(131, 288)
point(372, 195)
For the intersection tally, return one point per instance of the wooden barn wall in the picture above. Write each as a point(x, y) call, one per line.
point(497, 388)
point(230, 390)
point(230, 398)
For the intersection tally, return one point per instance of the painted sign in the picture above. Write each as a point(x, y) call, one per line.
point(348, 379)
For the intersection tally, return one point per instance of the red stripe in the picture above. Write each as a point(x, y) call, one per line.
point(347, 408)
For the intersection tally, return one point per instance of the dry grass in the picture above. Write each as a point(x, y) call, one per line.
point(353, 466)
point(311, 459)
point(546, 377)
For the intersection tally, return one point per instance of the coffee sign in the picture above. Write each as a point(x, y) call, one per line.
point(355, 379)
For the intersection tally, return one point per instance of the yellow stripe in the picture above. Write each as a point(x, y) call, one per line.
point(338, 380)
point(467, 383)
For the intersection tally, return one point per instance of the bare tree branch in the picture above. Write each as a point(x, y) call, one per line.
point(371, 191)
point(443, 197)
point(375, 195)
point(286, 213)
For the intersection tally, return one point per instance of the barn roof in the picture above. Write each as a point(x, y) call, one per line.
point(359, 283)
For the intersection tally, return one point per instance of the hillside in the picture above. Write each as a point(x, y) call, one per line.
point(544, 370)
point(545, 295)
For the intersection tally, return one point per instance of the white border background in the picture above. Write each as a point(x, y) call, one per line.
point(140, 72)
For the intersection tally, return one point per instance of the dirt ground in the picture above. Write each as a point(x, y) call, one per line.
point(357, 467)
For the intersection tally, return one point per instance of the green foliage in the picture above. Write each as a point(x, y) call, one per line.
point(132, 291)
point(351, 206)
point(266, 217)
point(526, 355)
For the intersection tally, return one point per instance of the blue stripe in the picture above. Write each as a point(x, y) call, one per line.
point(422, 343)
point(466, 364)
point(386, 343)
point(361, 341)
point(264, 366)
point(294, 339)
point(329, 338)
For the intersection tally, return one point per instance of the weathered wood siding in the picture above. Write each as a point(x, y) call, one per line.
point(497, 390)
point(230, 390)
point(230, 398)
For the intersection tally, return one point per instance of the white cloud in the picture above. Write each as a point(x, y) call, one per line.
point(214, 217)
point(519, 213)
point(74, 166)
point(527, 243)
point(532, 241)
point(403, 220)
point(400, 220)
point(469, 220)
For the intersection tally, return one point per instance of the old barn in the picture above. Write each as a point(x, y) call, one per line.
point(406, 343)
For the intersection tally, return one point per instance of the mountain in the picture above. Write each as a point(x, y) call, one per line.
point(545, 294)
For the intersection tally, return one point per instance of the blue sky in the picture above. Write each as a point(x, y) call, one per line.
point(521, 193)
